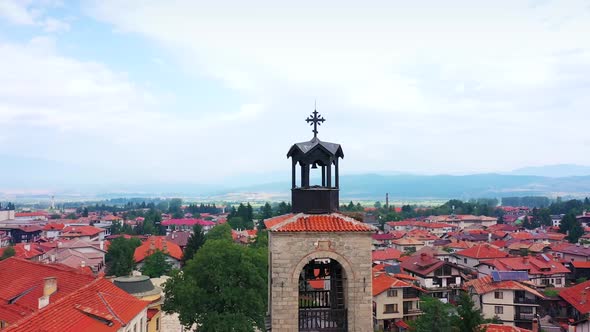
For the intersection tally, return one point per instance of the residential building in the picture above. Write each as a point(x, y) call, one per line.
point(142, 288)
point(394, 303)
point(29, 216)
point(186, 224)
point(471, 257)
point(542, 271)
point(87, 233)
point(24, 233)
point(569, 252)
point(388, 255)
point(28, 251)
point(53, 230)
point(509, 300)
point(578, 305)
point(440, 279)
point(408, 244)
point(463, 221)
point(170, 249)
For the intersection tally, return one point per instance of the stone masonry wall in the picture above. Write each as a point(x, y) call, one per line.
point(290, 252)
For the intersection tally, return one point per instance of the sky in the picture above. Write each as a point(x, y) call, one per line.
point(205, 91)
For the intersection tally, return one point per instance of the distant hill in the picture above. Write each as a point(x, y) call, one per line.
point(374, 186)
point(555, 171)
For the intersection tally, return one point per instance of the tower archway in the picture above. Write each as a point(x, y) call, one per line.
point(322, 296)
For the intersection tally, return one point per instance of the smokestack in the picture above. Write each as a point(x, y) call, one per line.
point(49, 286)
point(27, 247)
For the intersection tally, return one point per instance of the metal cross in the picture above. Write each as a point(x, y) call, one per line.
point(316, 120)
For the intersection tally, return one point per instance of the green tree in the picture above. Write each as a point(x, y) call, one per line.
point(468, 318)
point(85, 212)
point(194, 243)
point(436, 316)
point(266, 211)
point(119, 257)
point(223, 288)
point(156, 265)
point(7, 253)
point(571, 226)
point(220, 232)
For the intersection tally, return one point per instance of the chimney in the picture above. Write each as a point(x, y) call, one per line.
point(152, 244)
point(164, 245)
point(584, 297)
point(423, 256)
point(489, 237)
point(49, 286)
point(43, 301)
point(525, 259)
point(52, 258)
point(27, 246)
point(535, 324)
point(83, 264)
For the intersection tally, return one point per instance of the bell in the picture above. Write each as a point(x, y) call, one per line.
point(314, 166)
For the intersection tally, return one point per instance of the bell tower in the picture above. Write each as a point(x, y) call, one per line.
point(311, 156)
point(319, 261)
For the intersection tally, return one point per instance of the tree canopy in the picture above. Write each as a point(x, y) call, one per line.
point(571, 226)
point(436, 316)
point(468, 318)
point(220, 232)
point(223, 288)
point(156, 265)
point(119, 257)
point(7, 253)
point(194, 243)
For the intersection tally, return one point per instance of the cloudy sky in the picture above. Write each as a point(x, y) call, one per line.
point(203, 91)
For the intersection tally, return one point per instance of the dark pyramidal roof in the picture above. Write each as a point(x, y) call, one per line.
point(305, 147)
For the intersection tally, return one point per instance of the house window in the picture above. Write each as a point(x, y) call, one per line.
point(390, 308)
point(465, 260)
point(498, 295)
point(499, 310)
point(558, 281)
point(392, 292)
point(158, 324)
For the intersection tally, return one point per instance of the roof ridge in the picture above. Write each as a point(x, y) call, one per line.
point(289, 220)
point(106, 303)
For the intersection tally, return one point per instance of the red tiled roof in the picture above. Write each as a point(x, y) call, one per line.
point(99, 306)
point(502, 328)
point(23, 278)
point(187, 222)
point(485, 285)
point(75, 231)
point(151, 313)
point(402, 324)
point(581, 264)
point(521, 236)
point(31, 214)
point(482, 251)
point(53, 227)
point(277, 220)
point(20, 250)
point(578, 296)
point(386, 254)
point(157, 243)
point(383, 282)
point(318, 223)
point(421, 264)
point(530, 264)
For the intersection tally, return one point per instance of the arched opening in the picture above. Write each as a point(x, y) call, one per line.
point(322, 296)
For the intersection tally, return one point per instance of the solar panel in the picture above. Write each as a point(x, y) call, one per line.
point(393, 269)
point(510, 275)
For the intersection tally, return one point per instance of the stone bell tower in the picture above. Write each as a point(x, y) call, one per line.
point(319, 259)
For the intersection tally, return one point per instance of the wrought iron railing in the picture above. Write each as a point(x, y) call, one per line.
point(323, 319)
point(314, 299)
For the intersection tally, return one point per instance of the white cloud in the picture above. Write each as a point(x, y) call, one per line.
point(29, 12)
point(455, 80)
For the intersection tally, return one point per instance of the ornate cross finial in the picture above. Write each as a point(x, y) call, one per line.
point(316, 120)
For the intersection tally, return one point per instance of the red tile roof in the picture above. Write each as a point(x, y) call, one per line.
point(334, 222)
point(25, 250)
point(99, 306)
point(31, 214)
point(502, 328)
point(386, 254)
point(581, 265)
point(187, 222)
point(578, 296)
point(76, 231)
point(522, 236)
point(421, 264)
point(383, 282)
point(530, 264)
point(485, 285)
point(29, 286)
point(53, 227)
point(277, 220)
point(160, 243)
point(482, 251)
point(151, 313)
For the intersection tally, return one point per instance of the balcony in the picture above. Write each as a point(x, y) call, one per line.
point(525, 300)
point(524, 316)
point(412, 311)
point(332, 320)
point(411, 294)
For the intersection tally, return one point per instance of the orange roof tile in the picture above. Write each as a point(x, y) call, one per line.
point(99, 306)
point(75, 231)
point(485, 285)
point(334, 222)
point(482, 251)
point(521, 236)
point(157, 243)
point(581, 264)
point(29, 285)
point(383, 282)
point(577, 296)
point(502, 328)
point(386, 254)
